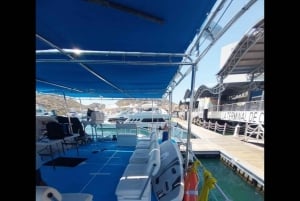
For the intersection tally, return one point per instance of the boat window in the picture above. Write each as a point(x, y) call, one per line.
point(147, 120)
point(161, 120)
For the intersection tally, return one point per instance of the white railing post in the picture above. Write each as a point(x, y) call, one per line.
point(216, 124)
point(236, 130)
point(246, 130)
point(224, 129)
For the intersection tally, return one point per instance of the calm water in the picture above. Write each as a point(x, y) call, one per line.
point(232, 184)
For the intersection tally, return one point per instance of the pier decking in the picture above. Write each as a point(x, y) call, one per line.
point(240, 155)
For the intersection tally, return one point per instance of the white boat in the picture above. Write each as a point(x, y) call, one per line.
point(118, 117)
point(128, 49)
point(148, 119)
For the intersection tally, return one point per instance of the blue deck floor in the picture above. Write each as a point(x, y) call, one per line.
point(98, 175)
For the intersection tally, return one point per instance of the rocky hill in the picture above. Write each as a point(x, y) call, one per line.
point(57, 103)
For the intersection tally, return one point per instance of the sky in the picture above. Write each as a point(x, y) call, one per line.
point(209, 66)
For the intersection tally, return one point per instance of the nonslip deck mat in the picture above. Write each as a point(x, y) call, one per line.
point(65, 161)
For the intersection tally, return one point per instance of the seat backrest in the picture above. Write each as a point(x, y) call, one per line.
point(55, 130)
point(153, 136)
point(40, 125)
point(153, 163)
point(76, 124)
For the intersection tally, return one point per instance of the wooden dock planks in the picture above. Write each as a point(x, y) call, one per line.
point(248, 155)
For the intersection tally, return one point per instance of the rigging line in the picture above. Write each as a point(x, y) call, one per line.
point(220, 34)
point(57, 85)
point(222, 15)
point(220, 6)
point(226, 27)
point(81, 64)
point(190, 50)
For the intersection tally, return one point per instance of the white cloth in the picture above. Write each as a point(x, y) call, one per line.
point(47, 193)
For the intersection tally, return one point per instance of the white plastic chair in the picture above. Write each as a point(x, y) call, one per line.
point(48, 193)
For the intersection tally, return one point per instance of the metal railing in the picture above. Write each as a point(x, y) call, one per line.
point(240, 106)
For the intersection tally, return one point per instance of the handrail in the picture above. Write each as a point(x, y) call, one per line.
point(148, 179)
point(239, 106)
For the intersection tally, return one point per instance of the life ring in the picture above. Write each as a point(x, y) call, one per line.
point(191, 182)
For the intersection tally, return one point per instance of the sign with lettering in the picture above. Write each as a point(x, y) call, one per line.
point(244, 116)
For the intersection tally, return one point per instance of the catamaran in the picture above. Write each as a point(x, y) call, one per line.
point(122, 49)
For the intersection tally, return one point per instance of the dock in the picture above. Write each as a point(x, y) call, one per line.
point(244, 158)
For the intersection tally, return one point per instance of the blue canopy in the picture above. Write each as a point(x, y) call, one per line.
point(129, 48)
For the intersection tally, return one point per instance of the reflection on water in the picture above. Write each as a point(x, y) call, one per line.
point(232, 184)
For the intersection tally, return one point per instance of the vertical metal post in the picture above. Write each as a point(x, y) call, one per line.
point(152, 123)
point(67, 110)
point(261, 99)
point(170, 115)
point(188, 140)
point(80, 109)
point(219, 96)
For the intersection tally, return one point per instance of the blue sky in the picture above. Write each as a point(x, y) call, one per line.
point(210, 63)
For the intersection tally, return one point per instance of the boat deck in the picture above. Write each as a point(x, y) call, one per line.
point(247, 155)
point(98, 175)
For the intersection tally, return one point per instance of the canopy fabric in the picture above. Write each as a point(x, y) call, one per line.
point(122, 30)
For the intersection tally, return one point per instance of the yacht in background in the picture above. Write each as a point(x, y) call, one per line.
point(154, 118)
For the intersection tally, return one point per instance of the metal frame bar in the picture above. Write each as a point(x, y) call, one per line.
point(112, 62)
point(243, 48)
point(81, 64)
point(110, 53)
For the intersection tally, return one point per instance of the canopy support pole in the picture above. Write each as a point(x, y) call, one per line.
point(67, 110)
point(170, 114)
point(188, 140)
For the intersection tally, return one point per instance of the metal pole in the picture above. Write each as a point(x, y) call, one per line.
point(80, 108)
point(152, 115)
point(66, 107)
point(219, 95)
point(189, 118)
point(170, 114)
point(261, 100)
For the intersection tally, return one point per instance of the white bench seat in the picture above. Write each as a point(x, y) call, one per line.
point(142, 155)
point(135, 183)
point(145, 143)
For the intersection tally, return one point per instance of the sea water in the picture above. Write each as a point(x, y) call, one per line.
point(234, 187)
